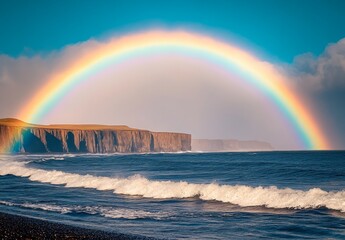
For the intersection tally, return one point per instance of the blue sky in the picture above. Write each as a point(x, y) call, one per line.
point(281, 29)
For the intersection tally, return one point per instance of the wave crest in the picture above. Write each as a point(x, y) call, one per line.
point(244, 196)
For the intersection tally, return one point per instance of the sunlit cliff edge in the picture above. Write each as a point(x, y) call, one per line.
point(20, 137)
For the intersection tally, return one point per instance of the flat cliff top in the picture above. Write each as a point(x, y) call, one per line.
point(18, 123)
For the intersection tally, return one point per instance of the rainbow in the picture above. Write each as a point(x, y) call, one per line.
point(255, 72)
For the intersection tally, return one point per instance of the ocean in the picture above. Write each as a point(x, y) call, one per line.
point(247, 195)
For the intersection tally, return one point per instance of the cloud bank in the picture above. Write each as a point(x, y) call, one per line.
point(322, 80)
point(324, 72)
point(178, 93)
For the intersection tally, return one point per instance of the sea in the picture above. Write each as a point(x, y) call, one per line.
point(234, 195)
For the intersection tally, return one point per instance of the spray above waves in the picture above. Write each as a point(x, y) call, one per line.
point(244, 196)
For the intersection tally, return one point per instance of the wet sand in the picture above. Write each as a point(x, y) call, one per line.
point(18, 227)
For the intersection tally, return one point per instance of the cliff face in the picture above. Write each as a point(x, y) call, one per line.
point(88, 139)
point(221, 145)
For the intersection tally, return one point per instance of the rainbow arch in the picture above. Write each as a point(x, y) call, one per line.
point(257, 73)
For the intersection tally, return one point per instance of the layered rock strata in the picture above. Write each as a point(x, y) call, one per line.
point(17, 136)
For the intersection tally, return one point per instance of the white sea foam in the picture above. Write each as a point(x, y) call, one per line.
point(47, 207)
point(133, 214)
point(7, 203)
point(52, 158)
point(109, 212)
point(33, 158)
point(271, 197)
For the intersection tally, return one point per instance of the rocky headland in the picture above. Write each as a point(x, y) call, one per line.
point(20, 137)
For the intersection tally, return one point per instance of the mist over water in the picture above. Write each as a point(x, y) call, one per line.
point(192, 195)
point(208, 99)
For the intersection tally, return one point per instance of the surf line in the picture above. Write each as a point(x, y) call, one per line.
point(242, 195)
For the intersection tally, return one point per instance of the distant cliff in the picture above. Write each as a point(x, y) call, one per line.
point(21, 137)
point(221, 145)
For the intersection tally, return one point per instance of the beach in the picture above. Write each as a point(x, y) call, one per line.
point(19, 227)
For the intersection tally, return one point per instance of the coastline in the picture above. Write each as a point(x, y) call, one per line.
point(20, 227)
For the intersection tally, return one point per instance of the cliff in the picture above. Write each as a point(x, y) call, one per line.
point(221, 145)
point(21, 137)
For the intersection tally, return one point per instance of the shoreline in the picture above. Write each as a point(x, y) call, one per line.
point(19, 227)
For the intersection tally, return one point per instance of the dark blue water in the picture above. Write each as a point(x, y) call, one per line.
point(189, 195)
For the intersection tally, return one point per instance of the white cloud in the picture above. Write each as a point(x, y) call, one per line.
point(326, 71)
point(21, 77)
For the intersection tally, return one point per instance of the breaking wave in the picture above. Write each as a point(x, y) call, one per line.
point(244, 196)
